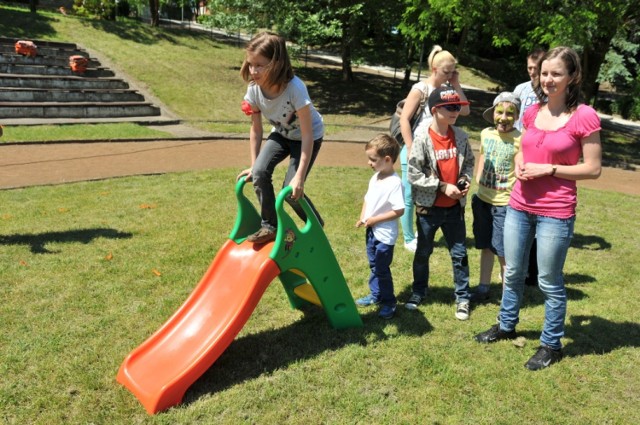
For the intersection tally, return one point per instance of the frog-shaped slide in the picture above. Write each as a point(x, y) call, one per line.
point(162, 368)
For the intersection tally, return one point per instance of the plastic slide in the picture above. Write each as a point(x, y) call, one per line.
point(160, 370)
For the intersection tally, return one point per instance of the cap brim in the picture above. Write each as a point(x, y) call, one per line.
point(488, 115)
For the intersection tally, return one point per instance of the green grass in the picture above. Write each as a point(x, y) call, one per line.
point(90, 270)
point(46, 133)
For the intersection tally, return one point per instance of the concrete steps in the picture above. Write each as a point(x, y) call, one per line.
point(45, 88)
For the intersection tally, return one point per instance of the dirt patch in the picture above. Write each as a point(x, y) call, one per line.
point(24, 165)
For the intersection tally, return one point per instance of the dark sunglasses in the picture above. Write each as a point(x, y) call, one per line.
point(451, 108)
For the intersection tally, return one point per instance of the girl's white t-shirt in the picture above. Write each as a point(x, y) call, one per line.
point(281, 111)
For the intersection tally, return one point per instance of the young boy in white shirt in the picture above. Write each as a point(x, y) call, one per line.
point(383, 206)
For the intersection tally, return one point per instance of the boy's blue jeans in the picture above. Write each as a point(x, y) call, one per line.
point(553, 237)
point(273, 151)
point(380, 256)
point(406, 221)
point(451, 221)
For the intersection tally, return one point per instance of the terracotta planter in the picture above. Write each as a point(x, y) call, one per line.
point(26, 48)
point(78, 63)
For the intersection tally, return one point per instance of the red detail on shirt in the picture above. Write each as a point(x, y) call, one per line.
point(447, 159)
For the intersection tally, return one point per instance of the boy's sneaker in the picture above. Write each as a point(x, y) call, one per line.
point(413, 302)
point(462, 310)
point(481, 293)
point(544, 357)
point(411, 246)
point(263, 235)
point(387, 311)
point(494, 334)
point(367, 301)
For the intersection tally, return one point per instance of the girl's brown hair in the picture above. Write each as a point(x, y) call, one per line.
point(273, 47)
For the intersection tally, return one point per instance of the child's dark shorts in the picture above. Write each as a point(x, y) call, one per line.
point(488, 225)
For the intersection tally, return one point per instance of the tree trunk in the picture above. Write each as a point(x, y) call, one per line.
point(33, 5)
point(409, 61)
point(154, 10)
point(592, 59)
point(347, 72)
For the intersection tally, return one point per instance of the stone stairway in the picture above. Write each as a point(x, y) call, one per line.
point(35, 90)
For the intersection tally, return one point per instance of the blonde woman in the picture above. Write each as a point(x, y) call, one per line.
point(443, 73)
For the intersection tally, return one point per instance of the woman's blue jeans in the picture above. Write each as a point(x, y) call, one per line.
point(275, 150)
point(451, 221)
point(553, 237)
point(406, 221)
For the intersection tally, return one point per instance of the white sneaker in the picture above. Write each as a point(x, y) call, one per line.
point(411, 246)
point(462, 310)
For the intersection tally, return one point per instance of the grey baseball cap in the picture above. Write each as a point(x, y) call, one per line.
point(505, 96)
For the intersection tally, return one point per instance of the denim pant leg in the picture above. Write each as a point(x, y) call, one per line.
point(427, 225)
point(519, 230)
point(273, 151)
point(294, 162)
point(553, 237)
point(406, 221)
point(380, 257)
point(455, 233)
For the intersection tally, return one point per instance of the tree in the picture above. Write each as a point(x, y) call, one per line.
point(590, 27)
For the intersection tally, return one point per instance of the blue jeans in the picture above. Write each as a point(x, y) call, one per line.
point(553, 237)
point(406, 221)
point(273, 151)
point(380, 256)
point(451, 221)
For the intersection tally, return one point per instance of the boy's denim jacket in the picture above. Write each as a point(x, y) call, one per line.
point(422, 170)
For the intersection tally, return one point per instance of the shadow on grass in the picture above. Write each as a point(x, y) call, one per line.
point(37, 241)
point(589, 242)
point(22, 24)
point(596, 335)
point(263, 353)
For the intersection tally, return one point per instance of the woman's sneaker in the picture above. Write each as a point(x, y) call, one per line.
point(544, 357)
point(494, 334)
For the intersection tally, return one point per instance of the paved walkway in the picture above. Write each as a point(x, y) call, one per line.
point(23, 165)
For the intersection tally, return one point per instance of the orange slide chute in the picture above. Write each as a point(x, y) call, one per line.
point(162, 368)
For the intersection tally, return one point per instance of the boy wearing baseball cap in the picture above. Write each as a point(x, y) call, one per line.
point(495, 177)
point(439, 170)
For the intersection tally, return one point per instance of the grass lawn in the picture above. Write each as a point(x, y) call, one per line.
point(90, 270)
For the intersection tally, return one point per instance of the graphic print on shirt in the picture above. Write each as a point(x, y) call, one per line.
point(497, 164)
point(446, 154)
point(289, 120)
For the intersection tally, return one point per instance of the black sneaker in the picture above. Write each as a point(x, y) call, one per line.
point(544, 357)
point(481, 293)
point(413, 302)
point(494, 334)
